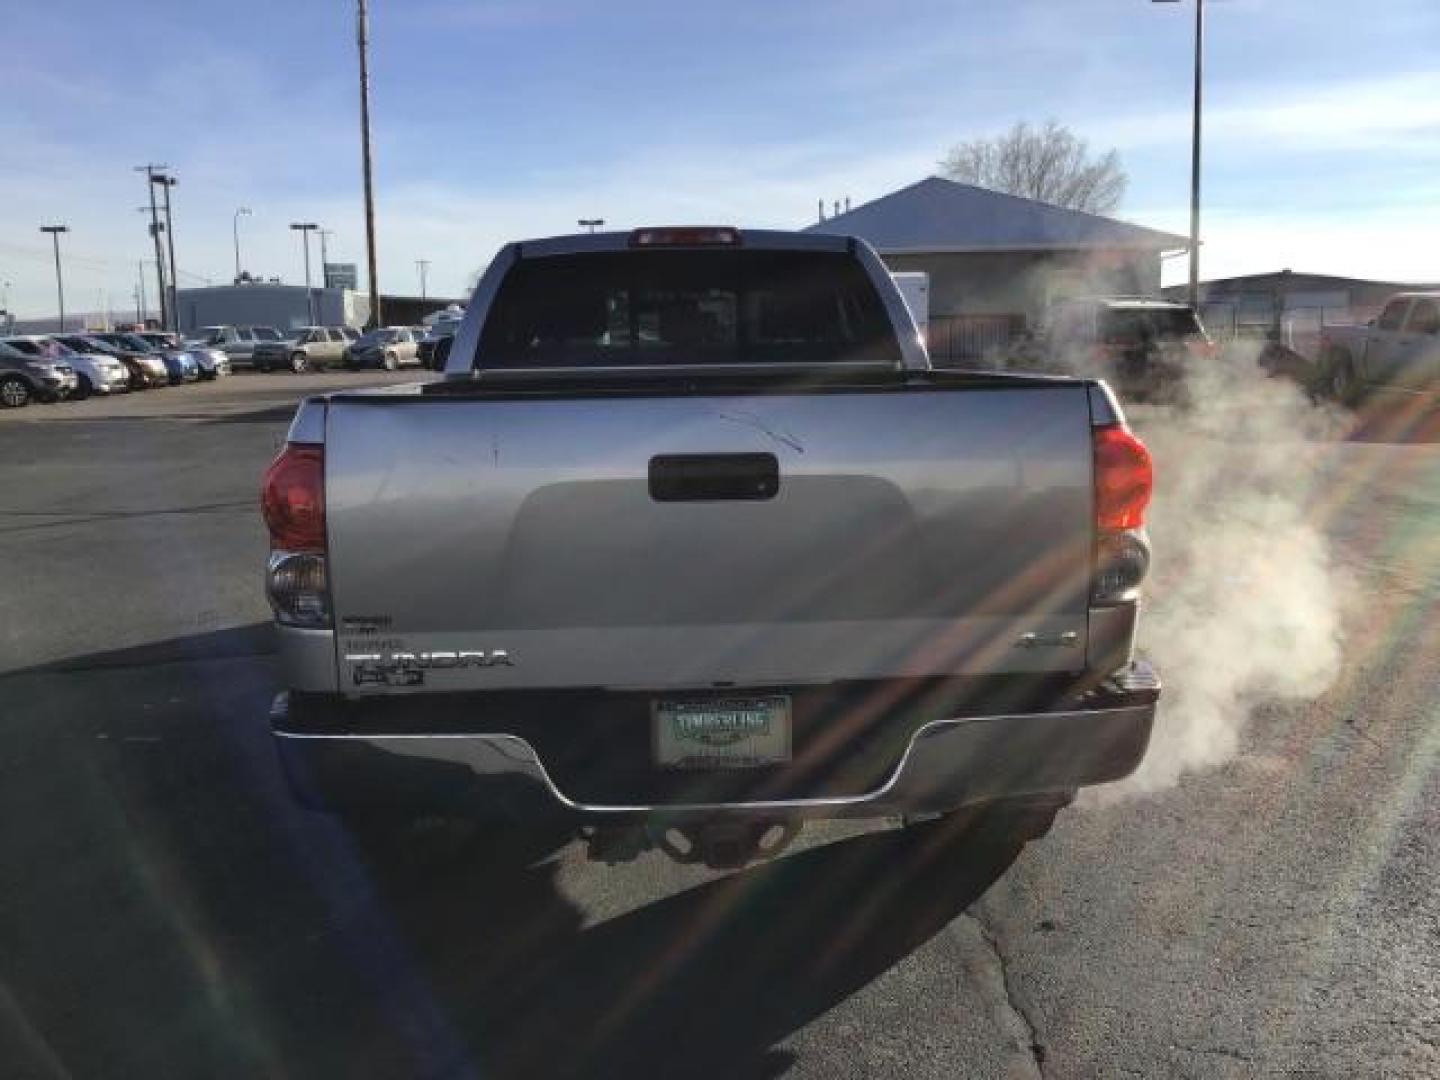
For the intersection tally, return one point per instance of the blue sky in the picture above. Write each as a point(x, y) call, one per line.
point(497, 119)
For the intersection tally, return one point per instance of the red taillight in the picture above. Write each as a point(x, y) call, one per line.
point(689, 236)
point(1124, 479)
point(293, 499)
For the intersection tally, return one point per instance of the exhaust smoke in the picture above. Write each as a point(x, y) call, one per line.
point(1245, 600)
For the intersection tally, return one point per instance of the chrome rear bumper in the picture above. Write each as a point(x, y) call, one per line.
point(947, 764)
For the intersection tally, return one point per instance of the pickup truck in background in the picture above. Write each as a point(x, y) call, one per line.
point(691, 544)
point(1399, 353)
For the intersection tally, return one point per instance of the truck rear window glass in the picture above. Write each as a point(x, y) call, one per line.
point(686, 307)
point(1127, 326)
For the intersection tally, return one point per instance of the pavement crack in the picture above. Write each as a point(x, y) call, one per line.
point(1017, 1006)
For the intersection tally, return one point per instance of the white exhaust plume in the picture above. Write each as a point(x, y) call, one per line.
point(1245, 600)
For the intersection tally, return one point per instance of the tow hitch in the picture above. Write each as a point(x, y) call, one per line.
point(724, 845)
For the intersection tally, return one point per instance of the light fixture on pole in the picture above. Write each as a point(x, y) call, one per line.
point(1195, 150)
point(305, 228)
point(245, 210)
point(55, 231)
point(591, 223)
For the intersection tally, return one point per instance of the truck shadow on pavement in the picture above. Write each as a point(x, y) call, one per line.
point(702, 983)
point(168, 910)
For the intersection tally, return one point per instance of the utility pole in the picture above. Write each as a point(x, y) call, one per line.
point(305, 228)
point(236, 222)
point(363, 39)
point(168, 181)
point(151, 171)
point(423, 265)
point(55, 231)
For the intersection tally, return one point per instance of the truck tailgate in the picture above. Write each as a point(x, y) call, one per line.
point(707, 540)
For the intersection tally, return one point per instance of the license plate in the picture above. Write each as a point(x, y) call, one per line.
point(721, 733)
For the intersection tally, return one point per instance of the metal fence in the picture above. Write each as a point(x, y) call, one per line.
point(971, 340)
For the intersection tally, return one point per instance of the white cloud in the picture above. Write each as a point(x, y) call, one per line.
point(1396, 112)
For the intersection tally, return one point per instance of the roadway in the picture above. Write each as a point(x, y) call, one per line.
point(165, 910)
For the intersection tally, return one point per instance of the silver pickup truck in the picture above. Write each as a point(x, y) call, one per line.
point(691, 544)
point(1398, 355)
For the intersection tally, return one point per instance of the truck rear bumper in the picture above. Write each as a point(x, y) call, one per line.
point(947, 764)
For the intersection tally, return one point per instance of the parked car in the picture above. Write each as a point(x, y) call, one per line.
point(1399, 353)
point(303, 349)
point(690, 577)
point(180, 366)
point(1140, 345)
point(390, 347)
point(141, 370)
point(30, 373)
point(211, 361)
point(237, 342)
point(96, 372)
point(434, 348)
point(147, 367)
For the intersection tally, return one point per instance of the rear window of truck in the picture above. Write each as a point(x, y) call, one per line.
point(686, 307)
point(1127, 326)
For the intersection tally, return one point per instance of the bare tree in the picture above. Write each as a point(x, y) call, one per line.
point(1049, 163)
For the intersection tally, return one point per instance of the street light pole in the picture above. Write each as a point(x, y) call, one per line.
point(423, 265)
point(1195, 151)
point(236, 221)
point(363, 40)
point(305, 228)
point(1195, 158)
point(55, 231)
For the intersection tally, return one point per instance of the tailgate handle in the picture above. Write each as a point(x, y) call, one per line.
point(713, 477)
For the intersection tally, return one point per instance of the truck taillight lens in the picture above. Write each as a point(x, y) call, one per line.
point(298, 588)
point(297, 577)
point(1124, 479)
point(1121, 562)
point(293, 499)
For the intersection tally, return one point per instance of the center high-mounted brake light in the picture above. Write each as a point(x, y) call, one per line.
point(292, 499)
point(1124, 479)
point(687, 236)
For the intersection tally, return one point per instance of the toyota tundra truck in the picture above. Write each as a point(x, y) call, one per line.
point(691, 544)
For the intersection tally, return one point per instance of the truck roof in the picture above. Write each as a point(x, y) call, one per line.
point(750, 239)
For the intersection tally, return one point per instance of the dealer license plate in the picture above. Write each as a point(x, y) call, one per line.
point(735, 733)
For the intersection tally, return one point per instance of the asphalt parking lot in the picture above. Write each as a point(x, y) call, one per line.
point(165, 910)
